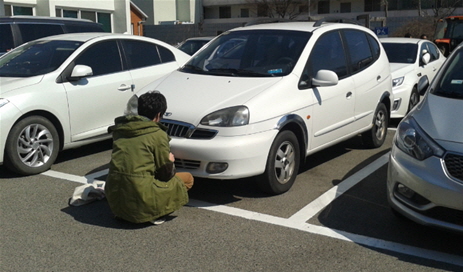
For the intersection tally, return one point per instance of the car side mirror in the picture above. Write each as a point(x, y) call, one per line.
point(325, 78)
point(425, 58)
point(423, 85)
point(80, 71)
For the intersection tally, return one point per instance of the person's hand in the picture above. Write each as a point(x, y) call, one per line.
point(171, 157)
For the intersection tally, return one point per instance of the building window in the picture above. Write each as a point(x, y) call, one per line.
point(244, 13)
point(372, 5)
point(225, 12)
point(11, 10)
point(323, 7)
point(99, 17)
point(345, 7)
point(262, 10)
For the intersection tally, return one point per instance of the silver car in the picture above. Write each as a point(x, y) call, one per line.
point(425, 174)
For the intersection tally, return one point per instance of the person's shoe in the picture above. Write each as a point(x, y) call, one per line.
point(159, 221)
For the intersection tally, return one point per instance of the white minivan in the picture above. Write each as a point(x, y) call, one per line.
point(281, 93)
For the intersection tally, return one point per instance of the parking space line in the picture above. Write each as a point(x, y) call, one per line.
point(314, 207)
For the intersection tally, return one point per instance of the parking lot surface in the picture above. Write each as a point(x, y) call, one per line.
point(335, 217)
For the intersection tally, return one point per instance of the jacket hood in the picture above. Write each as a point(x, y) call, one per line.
point(135, 125)
point(12, 83)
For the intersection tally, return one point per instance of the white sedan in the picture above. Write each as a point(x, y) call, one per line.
point(410, 59)
point(65, 91)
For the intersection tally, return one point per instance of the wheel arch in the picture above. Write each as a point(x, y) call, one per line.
point(296, 124)
point(52, 118)
point(386, 100)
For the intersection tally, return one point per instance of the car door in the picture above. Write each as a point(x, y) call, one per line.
point(371, 77)
point(147, 61)
point(334, 110)
point(95, 101)
point(435, 62)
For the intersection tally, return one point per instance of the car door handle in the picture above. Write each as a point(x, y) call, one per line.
point(349, 95)
point(378, 78)
point(124, 87)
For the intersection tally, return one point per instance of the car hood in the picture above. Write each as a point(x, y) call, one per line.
point(190, 97)
point(436, 115)
point(400, 69)
point(12, 83)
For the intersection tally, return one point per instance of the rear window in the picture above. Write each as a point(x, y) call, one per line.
point(76, 28)
point(34, 31)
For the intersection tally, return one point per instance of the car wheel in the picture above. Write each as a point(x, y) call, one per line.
point(414, 99)
point(376, 136)
point(282, 164)
point(32, 146)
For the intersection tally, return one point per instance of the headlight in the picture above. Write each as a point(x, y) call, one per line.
point(411, 139)
point(229, 117)
point(3, 102)
point(397, 81)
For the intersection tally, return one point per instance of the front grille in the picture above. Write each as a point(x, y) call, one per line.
point(454, 165)
point(186, 164)
point(185, 130)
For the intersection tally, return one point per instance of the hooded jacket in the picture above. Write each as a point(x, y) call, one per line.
point(141, 185)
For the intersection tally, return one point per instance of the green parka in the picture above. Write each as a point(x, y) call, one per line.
point(141, 184)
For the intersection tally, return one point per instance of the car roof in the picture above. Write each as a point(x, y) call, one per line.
point(200, 38)
point(299, 26)
point(86, 36)
point(400, 40)
point(44, 19)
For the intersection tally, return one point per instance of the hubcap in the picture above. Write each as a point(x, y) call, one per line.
point(35, 145)
point(284, 162)
point(380, 124)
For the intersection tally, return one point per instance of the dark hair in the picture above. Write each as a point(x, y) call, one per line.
point(152, 103)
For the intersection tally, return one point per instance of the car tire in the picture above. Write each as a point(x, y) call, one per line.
point(32, 146)
point(414, 99)
point(376, 136)
point(282, 164)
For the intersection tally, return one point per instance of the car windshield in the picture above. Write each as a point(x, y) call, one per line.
point(36, 58)
point(401, 52)
point(191, 46)
point(451, 82)
point(253, 53)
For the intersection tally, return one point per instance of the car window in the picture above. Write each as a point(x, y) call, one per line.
point(75, 28)
point(166, 54)
point(36, 58)
point(328, 54)
point(432, 49)
point(401, 52)
point(103, 58)
point(141, 54)
point(6, 42)
point(34, 31)
point(374, 46)
point(359, 50)
point(450, 84)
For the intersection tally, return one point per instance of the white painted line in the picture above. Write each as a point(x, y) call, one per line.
point(87, 179)
point(332, 233)
point(321, 202)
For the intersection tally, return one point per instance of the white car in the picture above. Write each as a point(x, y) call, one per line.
point(425, 173)
point(410, 59)
point(285, 91)
point(64, 91)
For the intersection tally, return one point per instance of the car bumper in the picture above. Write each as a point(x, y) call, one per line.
point(437, 200)
point(401, 100)
point(8, 113)
point(246, 155)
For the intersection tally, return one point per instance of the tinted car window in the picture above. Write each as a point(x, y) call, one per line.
point(34, 31)
point(401, 52)
point(141, 54)
point(328, 54)
point(75, 28)
point(451, 83)
point(103, 58)
point(359, 50)
point(6, 42)
point(166, 54)
point(432, 49)
point(374, 46)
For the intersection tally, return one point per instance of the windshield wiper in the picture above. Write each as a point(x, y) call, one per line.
point(191, 68)
point(237, 72)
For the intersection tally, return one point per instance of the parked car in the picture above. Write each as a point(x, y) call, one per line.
point(64, 91)
point(283, 92)
point(16, 30)
point(410, 60)
point(425, 174)
point(192, 45)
